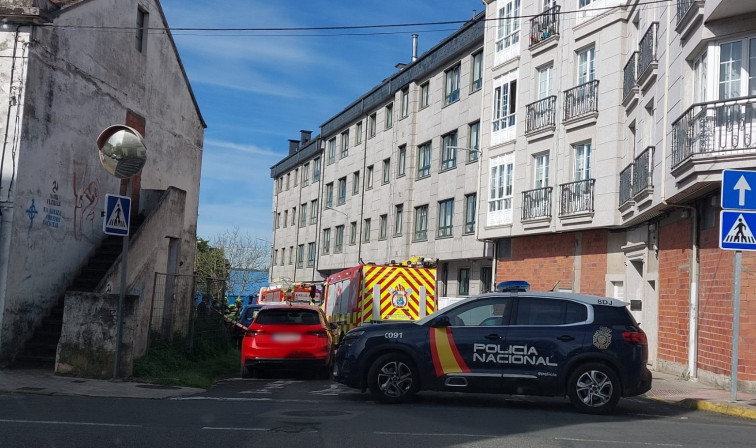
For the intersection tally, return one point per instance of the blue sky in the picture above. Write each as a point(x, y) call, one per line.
point(258, 91)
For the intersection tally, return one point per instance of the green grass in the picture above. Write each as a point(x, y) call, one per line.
point(172, 366)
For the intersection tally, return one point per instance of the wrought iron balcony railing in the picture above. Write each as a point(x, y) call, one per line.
point(648, 49)
point(536, 203)
point(643, 170)
point(631, 75)
point(714, 126)
point(544, 25)
point(581, 100)
point(682, 8)
point(626, 184)
point(541, 114)
point(576, 197)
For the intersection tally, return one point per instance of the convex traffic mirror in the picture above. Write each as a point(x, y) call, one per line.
point(122, 151)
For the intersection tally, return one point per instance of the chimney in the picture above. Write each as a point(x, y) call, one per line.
point(305, 136)
point(293, 146)
point(414, 47)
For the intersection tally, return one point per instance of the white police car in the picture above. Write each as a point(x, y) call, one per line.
point(524, 343)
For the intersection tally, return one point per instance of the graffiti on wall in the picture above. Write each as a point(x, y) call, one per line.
point(32, 213)
point(52, 211)
point(86, 194)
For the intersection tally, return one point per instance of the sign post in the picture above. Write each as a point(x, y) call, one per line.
point(736, 232)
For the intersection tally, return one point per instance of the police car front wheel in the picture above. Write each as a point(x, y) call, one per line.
point(393, 378)
point(594, 388)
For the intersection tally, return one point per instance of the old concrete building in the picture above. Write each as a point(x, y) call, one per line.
point(68, 70)
point(393, 175)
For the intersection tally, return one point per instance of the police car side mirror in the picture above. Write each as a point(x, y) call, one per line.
point(441, 321)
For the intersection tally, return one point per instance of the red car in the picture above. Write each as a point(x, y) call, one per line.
point(291, 336)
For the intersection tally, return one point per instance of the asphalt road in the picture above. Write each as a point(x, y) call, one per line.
point(279, 411)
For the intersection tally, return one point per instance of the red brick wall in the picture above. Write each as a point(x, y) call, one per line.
point(674, 289)
point(544, 260)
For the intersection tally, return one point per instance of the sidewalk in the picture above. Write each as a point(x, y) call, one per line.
point(667, 388)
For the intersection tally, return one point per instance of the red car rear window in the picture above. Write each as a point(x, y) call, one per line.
point(288, 317)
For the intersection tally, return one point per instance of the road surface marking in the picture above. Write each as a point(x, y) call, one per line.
point(277, 400)
point(52, 422)
point(213, 428)
point(625, 442)
point(426, 434)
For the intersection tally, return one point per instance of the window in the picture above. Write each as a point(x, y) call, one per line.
point(584, 3)
point(389, 115)
point(339, 246)
point(382, 227)
point(316, 170)
point(545, 81)
point(463, 280)
point(505, 104)
point(310, 255)
point(398, 219)
point(421, 223)
point(477, 71)
point(508, 30)
point(344, 144)
point(401, 164)
point(342, 190)
point(356, 182)
point(445, 218)
point(286, 218)
point(291, 254)
point(500, 197)
point(386, 171)
point(405, 102)
point(366, 233)
point(423, 160)
point(288, 181)
point(313, 211)
point(699, 79)
point(278, 220)
point(473, 141)
point(279, 187)
point(586, 65)
point(532, 311)
point(293, 216)
point(541, 174)
point(303, 215)
point(300, 255)
point(329, 195)
point(306, 174)
point(471, 201)
point(369, 178)
point(582, 161)
point(451, 88)
point(425, 95)
point(730, 68)
point(326, 243)
point(371, 125)
point(353, 233)
point(142, 23)
point(275, 257)
point(283, 256)
point(449, 151)
point(358, 134)
point(296, 176)
point(331, 151)
point(485, 280)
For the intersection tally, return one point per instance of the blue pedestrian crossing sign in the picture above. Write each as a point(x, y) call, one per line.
point(117, 213)
point(739, 190)
point(736, 230)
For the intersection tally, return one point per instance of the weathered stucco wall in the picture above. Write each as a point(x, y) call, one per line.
point(79, 82)
point(87, 342)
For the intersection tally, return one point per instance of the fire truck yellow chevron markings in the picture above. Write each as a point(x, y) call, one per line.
point(446, 357)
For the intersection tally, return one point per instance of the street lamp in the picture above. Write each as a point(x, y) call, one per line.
point(336, 210)
point(474, 153)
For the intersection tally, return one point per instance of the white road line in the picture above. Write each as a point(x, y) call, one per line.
point(277, 400)
point(213, 428)
point(52, 422)
point(624, 442)
point(426, 434)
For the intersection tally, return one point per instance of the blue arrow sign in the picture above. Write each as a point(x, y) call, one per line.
point(117, 214)
point(736, 230)
point(739, 190)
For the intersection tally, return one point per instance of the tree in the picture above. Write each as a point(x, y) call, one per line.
point(248, 257)
point(213, 270)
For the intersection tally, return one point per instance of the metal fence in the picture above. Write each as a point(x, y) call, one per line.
point(188, 312)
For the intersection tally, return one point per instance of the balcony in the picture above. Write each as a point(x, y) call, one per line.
point(629, 89)
point(541, 115)
point(643, 172)
point(647, 59)
point(581, 101)
point(576, 198)
point(687, 12)
point(626, 185)
point(536, 204)
point(715, 128)
point(544, 26)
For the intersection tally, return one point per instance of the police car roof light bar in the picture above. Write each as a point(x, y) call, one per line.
point(513, 286)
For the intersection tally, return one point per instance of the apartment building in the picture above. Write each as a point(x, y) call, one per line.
point(605, 129)
point(392, 176)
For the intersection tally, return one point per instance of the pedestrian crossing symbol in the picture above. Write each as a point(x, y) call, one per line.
point(735, 230)
point(117, 213)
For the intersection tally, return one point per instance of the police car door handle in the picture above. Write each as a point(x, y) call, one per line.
point(493, 337)
point(566, 338)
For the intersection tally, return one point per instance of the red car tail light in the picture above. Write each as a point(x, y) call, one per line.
point(319, 333)
point(254, 333)
point(635, 337)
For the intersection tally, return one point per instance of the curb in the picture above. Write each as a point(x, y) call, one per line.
point(710, 406)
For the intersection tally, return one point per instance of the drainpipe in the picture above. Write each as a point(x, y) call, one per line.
point(693, 303)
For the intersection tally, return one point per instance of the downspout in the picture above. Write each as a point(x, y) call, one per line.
point(364, 179)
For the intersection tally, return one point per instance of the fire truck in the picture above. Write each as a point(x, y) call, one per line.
point(374, 293)
point(289, 292)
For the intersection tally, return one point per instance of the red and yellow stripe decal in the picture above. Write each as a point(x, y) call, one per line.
point(446, 357)
point(393, 278)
